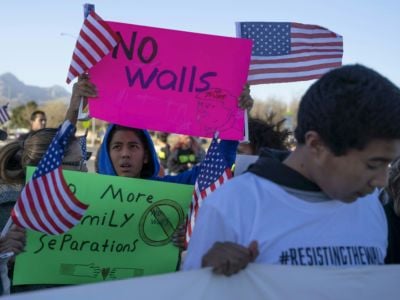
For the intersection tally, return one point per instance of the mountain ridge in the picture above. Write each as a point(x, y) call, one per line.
point(15, 92)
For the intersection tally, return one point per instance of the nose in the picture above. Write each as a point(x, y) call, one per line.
point(125, 152)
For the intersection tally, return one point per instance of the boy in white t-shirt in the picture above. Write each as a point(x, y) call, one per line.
point(319, 205)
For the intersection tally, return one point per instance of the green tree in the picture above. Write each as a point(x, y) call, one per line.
point(20, 115)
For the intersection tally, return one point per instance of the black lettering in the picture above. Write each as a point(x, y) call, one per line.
point(170, 82)
point(105, 245)
point(74, 246)
point(205, 82)
point(72, 188)
point(356, 256)
point(182, 81)
point(94, 247)
point(149, 198)
point(139, 74)
point(293, 257)
point(110, 222)
point(154, 49)
point(361, 250)
point(92, 220)
point(112, 246)
point(114, 195)
point(119, 247)
point(104, 219)
point(321, 258)
point(66, 238)
point(349, 255)
point(343, 257)
point(52, 243)
point(131, 197)
point(335, 257)
point(83, 244)
point(42, 237)
point(134, 245)
point(127, 51)
point(127, 218)
point(325, 255)
point(301, 255)
point(309, 256)
point(192, 78)
point(139, 196)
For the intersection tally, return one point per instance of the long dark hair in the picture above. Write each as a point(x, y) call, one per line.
point(17, 155)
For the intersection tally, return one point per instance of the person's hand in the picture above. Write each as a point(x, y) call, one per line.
point(13, 241)
point(245, 100)
point(178, 238)
point(82, 89)
point(229, 258)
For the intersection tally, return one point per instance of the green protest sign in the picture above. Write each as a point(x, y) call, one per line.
point(125, 232)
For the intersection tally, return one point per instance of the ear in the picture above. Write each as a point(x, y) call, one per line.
point(315, 145)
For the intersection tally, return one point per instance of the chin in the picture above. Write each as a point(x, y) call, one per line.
point(350, 198)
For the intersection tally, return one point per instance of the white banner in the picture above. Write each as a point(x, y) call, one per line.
point(270, 282)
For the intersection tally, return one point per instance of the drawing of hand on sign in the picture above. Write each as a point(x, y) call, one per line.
point(213, 112)
point(80, 270)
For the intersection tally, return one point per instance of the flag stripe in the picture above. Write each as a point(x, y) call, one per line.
point(103, 29)
point(69, 214)
point(96, 40)
point(33, 208)
point(92, 46)
point(282, 79)
point(80, 61)
point(95, 31)
point(92, 39)
point(4, 116)
point(294, 59)
point(291, 74)
point(293, 69)
point(80, 50)
point(46, 212)
point(54, 209)
point(213, 173)
point(298, 65)
point(71, 202)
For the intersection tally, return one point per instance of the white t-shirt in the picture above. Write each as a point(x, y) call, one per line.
point(289, 230)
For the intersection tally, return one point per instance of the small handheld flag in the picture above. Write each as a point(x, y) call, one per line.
point(46, 203)
point(96, 40)
point(4, 116)
point(214, 171)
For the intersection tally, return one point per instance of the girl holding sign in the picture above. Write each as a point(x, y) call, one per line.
point(130, 152)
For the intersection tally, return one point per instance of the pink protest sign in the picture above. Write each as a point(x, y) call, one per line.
point(172, 81)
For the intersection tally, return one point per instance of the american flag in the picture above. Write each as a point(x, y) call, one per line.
point(285, 52)
point(46, 203)
point(4, 116)
point(96, 40)
point(214, 171)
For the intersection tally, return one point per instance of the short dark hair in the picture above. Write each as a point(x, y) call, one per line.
point(348, 107)
point(264, 133)
point(36, 113)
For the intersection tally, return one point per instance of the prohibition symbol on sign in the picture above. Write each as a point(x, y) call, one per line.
point(164, 228)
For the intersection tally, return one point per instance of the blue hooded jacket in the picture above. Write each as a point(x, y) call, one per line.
point(105, 166)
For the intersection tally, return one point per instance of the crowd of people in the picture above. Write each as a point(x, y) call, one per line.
point(319, 204)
